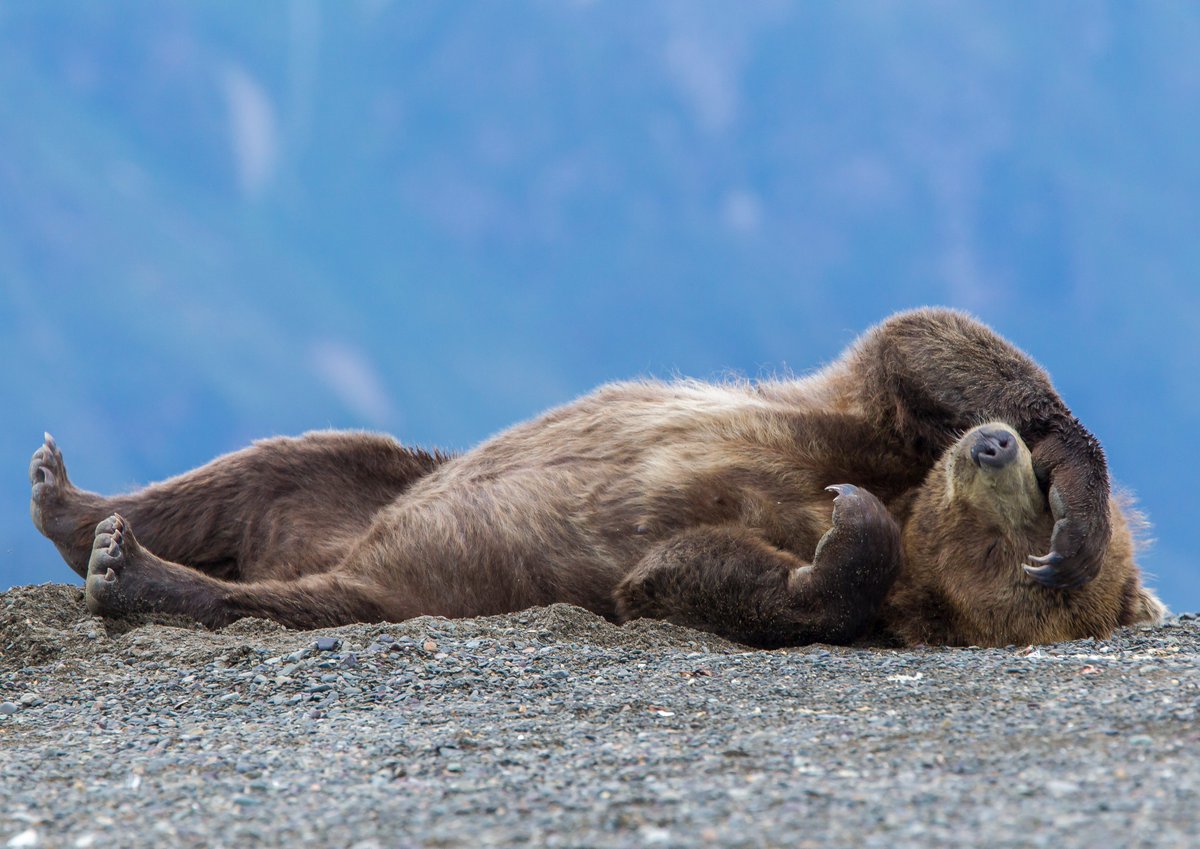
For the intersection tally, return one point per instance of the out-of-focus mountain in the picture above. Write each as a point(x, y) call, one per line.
point(224, 221)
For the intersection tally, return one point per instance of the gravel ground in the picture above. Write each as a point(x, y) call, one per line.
point(552, 727)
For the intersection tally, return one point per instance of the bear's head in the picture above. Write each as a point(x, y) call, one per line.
point(973, 524)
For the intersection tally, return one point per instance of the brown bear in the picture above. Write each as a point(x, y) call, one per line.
point(953, 460)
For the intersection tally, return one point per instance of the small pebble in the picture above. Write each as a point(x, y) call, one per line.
point(8, 708)
point(28, 837)
point(1059, 788)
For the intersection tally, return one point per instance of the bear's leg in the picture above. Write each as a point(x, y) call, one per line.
point(732, 582)
point(281, 508)
point(932, 374)
point(123, 577)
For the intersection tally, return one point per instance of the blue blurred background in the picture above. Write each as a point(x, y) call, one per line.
point(223, 221)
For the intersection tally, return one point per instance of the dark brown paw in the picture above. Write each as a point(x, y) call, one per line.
point(112, 553)
point(1076, 550)
point(1074, 466)
point(864, 539)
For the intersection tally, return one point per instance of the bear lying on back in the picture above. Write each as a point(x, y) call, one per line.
point(970, 507)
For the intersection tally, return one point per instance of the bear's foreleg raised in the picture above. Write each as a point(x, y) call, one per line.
point(929, 375)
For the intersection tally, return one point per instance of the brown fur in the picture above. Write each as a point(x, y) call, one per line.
point(698, 503)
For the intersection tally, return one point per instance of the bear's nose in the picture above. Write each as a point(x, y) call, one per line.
point(995, 447)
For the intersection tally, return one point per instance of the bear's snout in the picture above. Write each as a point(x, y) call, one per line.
point(995, 447)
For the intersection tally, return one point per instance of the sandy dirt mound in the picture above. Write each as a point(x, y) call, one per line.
point(45, 622)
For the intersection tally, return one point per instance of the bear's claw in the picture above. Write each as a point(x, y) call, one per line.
point(1065, 567)
point(1074, 558)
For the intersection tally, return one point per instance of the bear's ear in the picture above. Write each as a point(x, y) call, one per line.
point(1148, 610)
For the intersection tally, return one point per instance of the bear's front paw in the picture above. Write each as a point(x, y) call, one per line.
point(864, 541)
point(1076, 553)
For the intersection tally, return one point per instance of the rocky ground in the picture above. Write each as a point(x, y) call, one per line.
point(554, 728)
